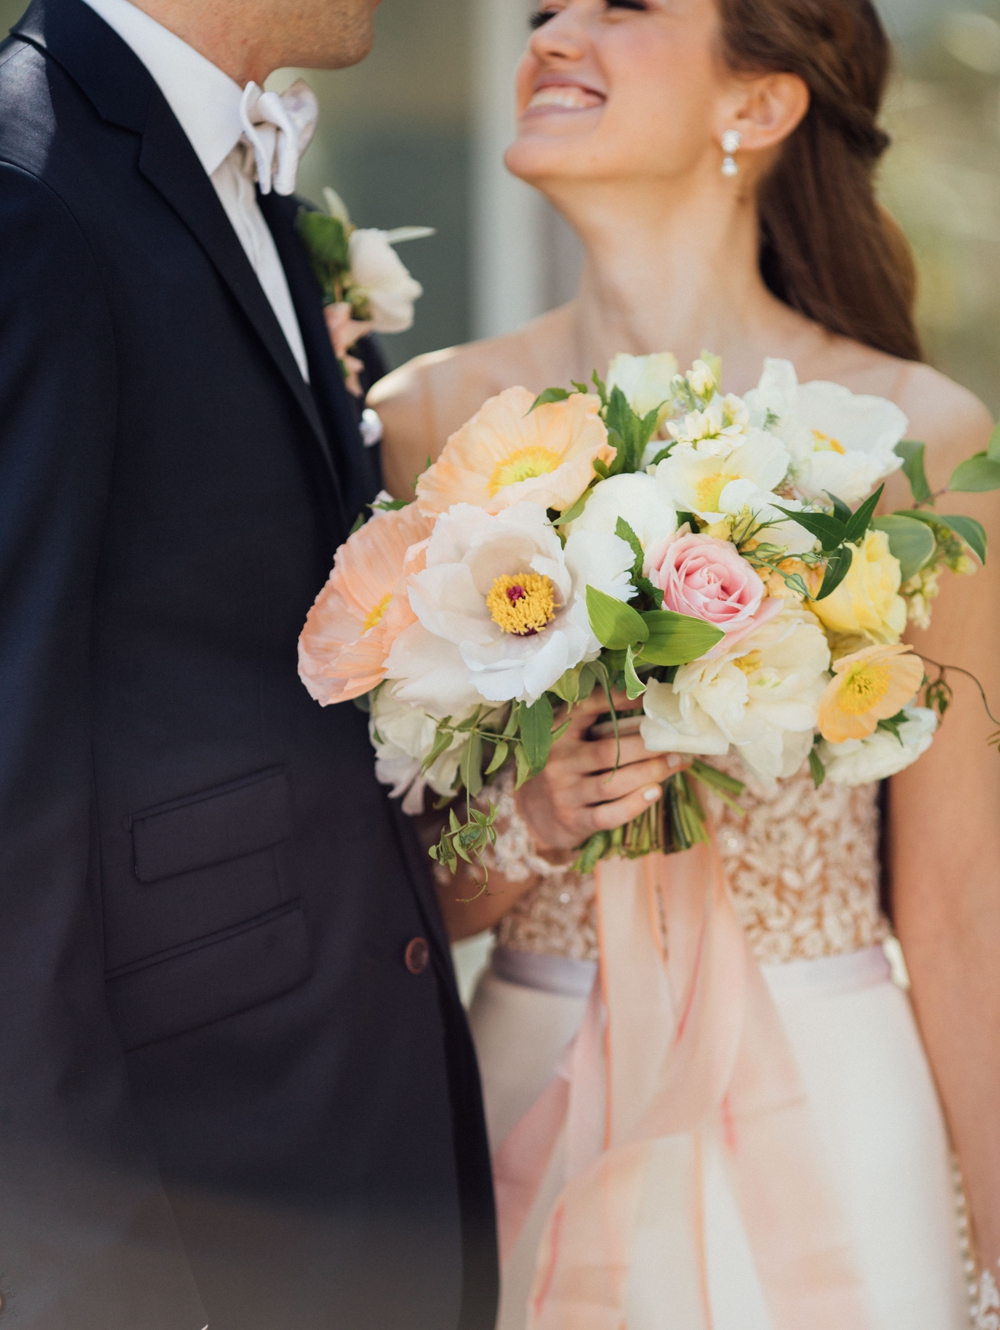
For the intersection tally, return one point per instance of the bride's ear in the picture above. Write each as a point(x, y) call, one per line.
point(767, 109)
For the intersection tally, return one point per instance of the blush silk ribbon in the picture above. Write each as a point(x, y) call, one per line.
point(673, 1045)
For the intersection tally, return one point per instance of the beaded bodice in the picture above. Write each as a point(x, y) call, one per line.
point(802, 865)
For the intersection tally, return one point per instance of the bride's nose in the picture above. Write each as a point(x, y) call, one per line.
point(562, 37)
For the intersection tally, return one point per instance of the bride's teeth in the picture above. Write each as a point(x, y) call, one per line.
point(571, 98)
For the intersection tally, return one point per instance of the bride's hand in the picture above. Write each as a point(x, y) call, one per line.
point(580, 792)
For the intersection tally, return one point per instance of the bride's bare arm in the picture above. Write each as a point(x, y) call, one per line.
point(944, 838)
point(578, 793)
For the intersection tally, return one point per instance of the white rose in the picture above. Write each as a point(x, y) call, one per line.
point(501, 607)
point(402, 736)
point(644, 503)
point(860, 761)
point(761, 696)
point(378, 274)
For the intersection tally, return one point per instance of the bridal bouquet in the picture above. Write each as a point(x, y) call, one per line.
point(718, 559)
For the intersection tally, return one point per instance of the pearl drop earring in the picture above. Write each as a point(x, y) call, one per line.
point(731, 140)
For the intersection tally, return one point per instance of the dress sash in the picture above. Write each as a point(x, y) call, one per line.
point(672, 1046)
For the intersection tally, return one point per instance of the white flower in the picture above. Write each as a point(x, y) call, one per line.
point(643, 501)
point(402, 736)
point(761, 696)
point(716, 431)
point(840, 443)
point(860, 761)
point(378, 275)
point(717, 486)
point(502, 607)
point(701, 379)
point(646, 381)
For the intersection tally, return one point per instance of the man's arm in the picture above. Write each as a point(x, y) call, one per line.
point(87, 1238)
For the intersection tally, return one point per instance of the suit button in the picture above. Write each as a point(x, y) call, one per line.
point(417, 955)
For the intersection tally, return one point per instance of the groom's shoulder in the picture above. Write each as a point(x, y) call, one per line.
point(36, 99)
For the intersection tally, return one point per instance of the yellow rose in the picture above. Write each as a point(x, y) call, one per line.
point(867, 601)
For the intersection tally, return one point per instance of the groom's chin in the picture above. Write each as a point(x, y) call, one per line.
point(337, 33)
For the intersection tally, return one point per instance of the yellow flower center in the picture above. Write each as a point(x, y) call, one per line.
point(709, 491)
point(863, 687)
point(824, 444)
point(749, 664)
point(523, 464)
point(522, 605)
point(375, 614)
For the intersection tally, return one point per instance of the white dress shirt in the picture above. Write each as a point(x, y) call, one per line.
point(207, 103)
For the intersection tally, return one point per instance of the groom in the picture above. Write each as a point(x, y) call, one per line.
point(236, 1084)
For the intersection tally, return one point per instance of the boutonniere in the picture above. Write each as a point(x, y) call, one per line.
point(366, 287)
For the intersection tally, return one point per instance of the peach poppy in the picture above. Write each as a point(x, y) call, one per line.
point(363, 607)
point(508, 453)
point(868, 686)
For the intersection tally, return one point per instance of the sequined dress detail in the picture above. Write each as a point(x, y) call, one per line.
point(802, 865)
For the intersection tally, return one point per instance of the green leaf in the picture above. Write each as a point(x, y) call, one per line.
point(571, 513)
point(615, 624)
point(624, 532)
point(589, 677)
point(557, 734)
point(969, 530)
point(862, 519)
point(675, 639)
point(634, 686)
point(601, 468)
point(602, 391)
point(828, 530)
point(840, 509)
point(911, 542)
point(913, 469)
point(359, 522)
point(591, 852)
point(523, 766)
point(993, 447)
point(567, 686)
point(837, 568)
point(816, 768)
point(471, 767)
point(499, 756)
point(513, 721)
point(549, 395)
point(892, 724)
point(442, 742)
point(664, 452)
point(654, 593)
point(976, 475)
point(536, 732)
point(728, 788)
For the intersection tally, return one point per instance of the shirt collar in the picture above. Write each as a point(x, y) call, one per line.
point(205, 101)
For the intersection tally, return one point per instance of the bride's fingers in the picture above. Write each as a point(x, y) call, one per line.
point(606, 817)
point(597, 755)
point(610, 787)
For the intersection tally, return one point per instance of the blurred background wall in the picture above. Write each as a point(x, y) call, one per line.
point(416, 135)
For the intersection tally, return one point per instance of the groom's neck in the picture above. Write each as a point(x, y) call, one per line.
point(249, 39)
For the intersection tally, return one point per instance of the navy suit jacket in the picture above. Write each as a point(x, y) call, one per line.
point(224, 1097)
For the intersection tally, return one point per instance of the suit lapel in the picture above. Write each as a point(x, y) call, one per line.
point(356, 465)
point(125, 94)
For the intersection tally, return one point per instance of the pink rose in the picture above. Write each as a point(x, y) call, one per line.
point(707, 579)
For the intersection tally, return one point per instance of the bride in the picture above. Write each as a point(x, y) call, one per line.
point(716, 158)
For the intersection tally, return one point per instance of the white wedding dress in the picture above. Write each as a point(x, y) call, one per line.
point(803, 870)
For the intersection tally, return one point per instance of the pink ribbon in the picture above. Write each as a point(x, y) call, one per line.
point(673, 1044)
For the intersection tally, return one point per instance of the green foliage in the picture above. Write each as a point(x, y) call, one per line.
point(676, 639)
point(967, 529)
point(549, 395)
point(976, 475)
point(913, 469)
point(891, 725)
point(816, 768)
point(837, 568)
point(536, 733)
point(325, 239)
point(634, 687)
point(615, 624)
point(911, 541)
point(466, 840)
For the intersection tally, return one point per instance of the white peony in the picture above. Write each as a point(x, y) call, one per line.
point(840, 443)
point(378, 275)
point(644, 503)
point(501, 607)
point(860, 761)
point(646, 381)
point(761, 696)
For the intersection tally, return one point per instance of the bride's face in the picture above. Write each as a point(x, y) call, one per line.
point(612, 89)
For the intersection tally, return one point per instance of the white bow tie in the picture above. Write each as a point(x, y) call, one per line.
point(277, 131)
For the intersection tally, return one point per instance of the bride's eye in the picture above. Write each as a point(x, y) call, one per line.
point(639, 5)
point(541, 17)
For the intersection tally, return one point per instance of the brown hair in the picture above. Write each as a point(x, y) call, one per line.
point(828, 248)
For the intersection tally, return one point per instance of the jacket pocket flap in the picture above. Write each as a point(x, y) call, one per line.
point(210, 980)
point(213, 826)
